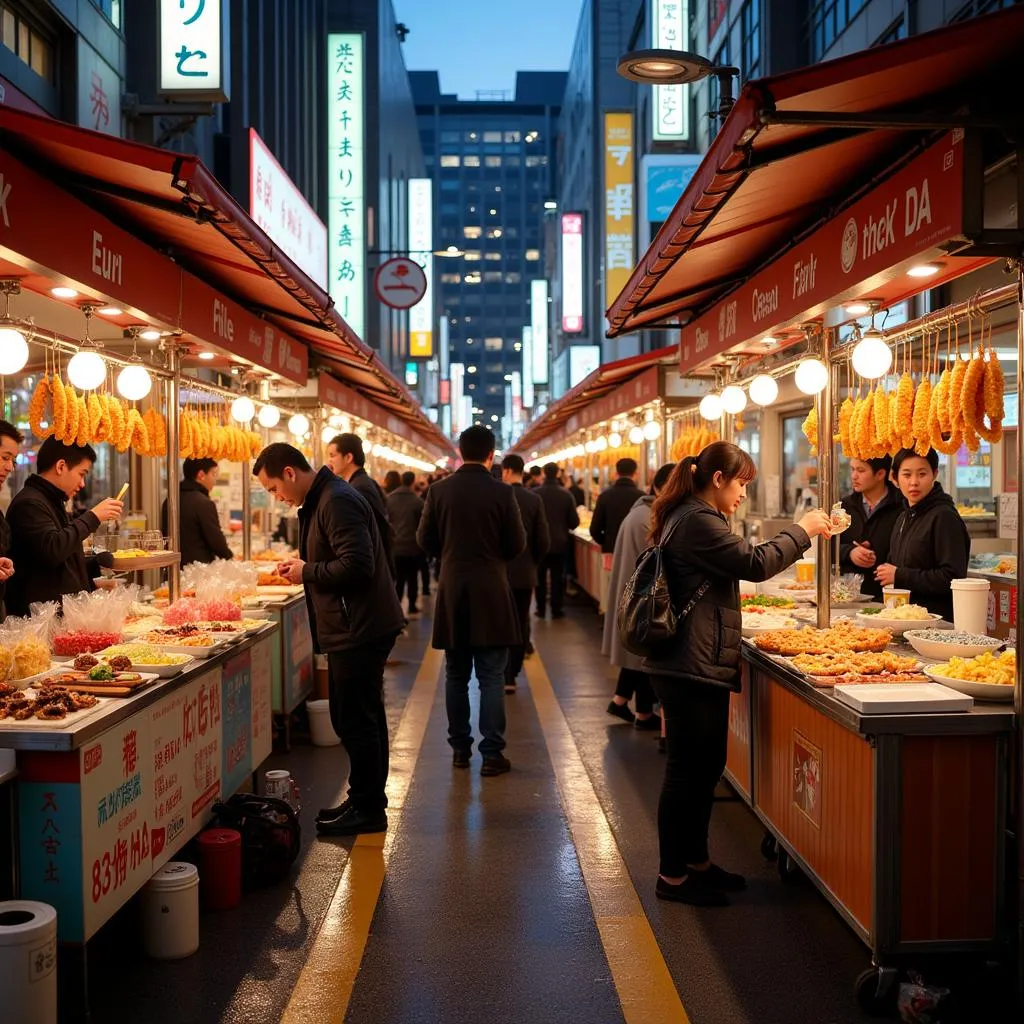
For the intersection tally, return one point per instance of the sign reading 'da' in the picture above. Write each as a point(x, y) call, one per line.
point(192, 54)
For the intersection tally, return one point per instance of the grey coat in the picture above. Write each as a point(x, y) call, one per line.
point(634, 537)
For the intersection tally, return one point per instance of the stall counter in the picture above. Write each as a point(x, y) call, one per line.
point(589, 564)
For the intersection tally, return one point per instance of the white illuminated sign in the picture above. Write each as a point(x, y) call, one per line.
point(276, 204)
point(346, 199)
point(191, 56)
point(583, 361)
point(572, 274)
point(421, 244)
point(457, 372)
point(539, 323)
point(517, 396)
point(527, 365)
point(671, 103)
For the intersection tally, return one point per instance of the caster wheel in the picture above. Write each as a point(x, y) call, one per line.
point(769, 847)
point(877, 990)
point(789, 871)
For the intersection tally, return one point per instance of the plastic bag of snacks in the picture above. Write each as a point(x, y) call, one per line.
point(26, 643)
point(93, 621)
point(221, 579)
point(185, 609)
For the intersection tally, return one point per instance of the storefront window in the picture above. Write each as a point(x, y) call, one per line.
point(799, 470)
point(748, 437)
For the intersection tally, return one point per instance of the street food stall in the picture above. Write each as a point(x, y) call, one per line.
point(832, 197)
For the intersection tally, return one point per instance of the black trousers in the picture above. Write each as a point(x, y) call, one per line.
point(696, 738)
point(425, 574)
point(634, 682)
point(517, 654)
point(356, 688)
point(553, 563)
point(407, 576)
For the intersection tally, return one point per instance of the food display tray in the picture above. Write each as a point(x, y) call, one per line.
point(980, 691)
point(157, 560)
point(902, 698)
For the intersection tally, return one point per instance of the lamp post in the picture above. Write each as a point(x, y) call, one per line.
point(677, 67)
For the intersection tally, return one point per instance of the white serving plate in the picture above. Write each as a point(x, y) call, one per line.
point(72, 720)
point(280, 591)
point(24, 684)
point(790, 623)
point(200, 653)
point(897, 626)
point(943, 652)
point(980, 691)
point(902, 698)
point(160, 671)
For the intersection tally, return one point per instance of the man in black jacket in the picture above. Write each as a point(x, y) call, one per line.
point(11, 440)
point(614, 504)
point(522, 572)
point(355, 619)
point(472, 522)
point(560, 511)
point(201, 536)
point(404, 510)
point(346, 457)
point(874, 506)
point(47, 542)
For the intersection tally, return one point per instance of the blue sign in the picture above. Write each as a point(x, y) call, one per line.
point(665, 185)
point(236, 704)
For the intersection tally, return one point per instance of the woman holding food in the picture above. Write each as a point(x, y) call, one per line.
point(930, 546)
point(694, 672)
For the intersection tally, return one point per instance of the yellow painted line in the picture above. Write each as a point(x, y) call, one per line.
point(643, 983)
point(324, 988)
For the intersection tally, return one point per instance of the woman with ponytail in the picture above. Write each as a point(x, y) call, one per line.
point(694, 673)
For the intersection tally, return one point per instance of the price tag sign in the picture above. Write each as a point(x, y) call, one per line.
point(1008, 516)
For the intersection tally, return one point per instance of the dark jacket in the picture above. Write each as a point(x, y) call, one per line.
point(522, 571)
point(5, 547)
point(877, 531)
point(577, 494)
point(706, 648)
point(202, 539)
point(349, 592)
point(46, 545)
point(404, 510)
point(930, 547)
point(561, 514)
point(472, 522)
point(612, 507)
point(371, 491)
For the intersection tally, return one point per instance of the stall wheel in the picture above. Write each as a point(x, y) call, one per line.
point(789, 871)
point(769, 847)
point(877, 990)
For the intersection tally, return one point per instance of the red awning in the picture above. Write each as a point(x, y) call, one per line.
point(173, 202)
point(795, 147)
point(578, 408)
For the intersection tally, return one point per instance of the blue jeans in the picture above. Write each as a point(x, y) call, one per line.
point(490, 665)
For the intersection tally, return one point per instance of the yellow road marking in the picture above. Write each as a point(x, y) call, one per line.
point(324, 988)
point(643, 983)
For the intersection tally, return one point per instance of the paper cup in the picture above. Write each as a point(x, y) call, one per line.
point(895, 597)
point(805, 571)
point(970, 605)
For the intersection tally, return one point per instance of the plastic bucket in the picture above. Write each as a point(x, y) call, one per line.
point(28, 962)
point(320, 729)
point(220, 860)
point(170, 912)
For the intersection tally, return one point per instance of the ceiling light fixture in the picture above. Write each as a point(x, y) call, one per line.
point(207, 355)
point(150, 334)
point(924, 270)
point(109, 311)
point(858, 308)
point(811, 376)
point(764, 389)
point(269, 416)
point(871, 356)
point(86, 369)
point(734, 399)
point(61, 292)
point(711, 407)
point(13, 343)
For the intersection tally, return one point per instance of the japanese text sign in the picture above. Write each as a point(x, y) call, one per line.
point(421, 245)
point(541, 350)
point(671, 103)
point(572, 282)
point(619, 191)
point(346, 199)
point(192, 55)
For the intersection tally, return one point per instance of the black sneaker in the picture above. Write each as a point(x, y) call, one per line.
point(330, 813)
point(460, 759)
point(719, 878)
point(353, 823)
point(691, 891)
point(651, 723)
point(621, 711)
point(496, 764)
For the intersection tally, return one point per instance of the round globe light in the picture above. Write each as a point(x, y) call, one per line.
point(134, 382)
point(764, 389)
point(86, 370)
point(811, 376)
point(636, 435)
point(614, 439)
point(269, 416)
point(600, 444)
point(711, 407)
point(298, 425)
point(872, 358)
point(327, 434)
point(243, 409)
point(13, 351)
point(734, 399)
point(652, 430)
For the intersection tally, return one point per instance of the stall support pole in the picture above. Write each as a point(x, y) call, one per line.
point(173, 490)
point(825, 486)
point(246, 511)
point(663, 447)
point(1018, 692)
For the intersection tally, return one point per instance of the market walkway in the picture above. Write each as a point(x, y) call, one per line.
point(527, 897)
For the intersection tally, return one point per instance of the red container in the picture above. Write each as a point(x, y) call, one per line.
point(220, 868)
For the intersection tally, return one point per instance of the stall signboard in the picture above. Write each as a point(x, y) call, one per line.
point(663, 180)
point(670, 107)
point(297, 664)
point(527, 343)
point(572, 275)
point(332, 393)
point(192, 49)
point(236, 706)
point(540, 349)
point(916, 209)
point(421, 246)
point(278, 206)
point(619, 203)
point(262, 677)
point(346, 198)
point(641, 390)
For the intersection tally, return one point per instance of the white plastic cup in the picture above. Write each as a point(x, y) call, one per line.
point(170, 912)
point(28, 961)
point(970, 605)
point(321, 732)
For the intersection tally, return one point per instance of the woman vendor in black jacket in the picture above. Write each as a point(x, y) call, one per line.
point(930, 545)
point(694, 672)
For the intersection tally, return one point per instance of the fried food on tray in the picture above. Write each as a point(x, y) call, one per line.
point(848, 662)
point(272, 579)
point(985, 668)
point(843, 636)
point(885, 677)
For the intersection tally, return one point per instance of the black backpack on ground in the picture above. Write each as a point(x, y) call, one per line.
point(271, 836)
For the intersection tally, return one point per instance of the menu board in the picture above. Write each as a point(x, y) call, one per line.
point(237, 704)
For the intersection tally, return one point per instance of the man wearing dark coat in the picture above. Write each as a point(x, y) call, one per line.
point(472, 522)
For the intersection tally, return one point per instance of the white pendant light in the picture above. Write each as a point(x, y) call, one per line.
point(600, 444)
point(327, 434)
point(764, 389)
point(243, 409)
point(614, 439)
point(298, 425)
point(652, 430)
point(734, 399)
point(871, 356)
point(134, 382)
point(86, 370)
point(13, 351)
point(269, 416)
point(811, 376)
point(636, 435)
point(711, 407)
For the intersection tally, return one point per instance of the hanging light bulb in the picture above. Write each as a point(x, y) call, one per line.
point(134, 382)
point(764, 389)
point(614, 439)
point(711, 407)
point(600, 444)
point(269, 416)
point(86, 370)
point(871, 356)
point(811, 376)
point(327, 434)
point(636, 435)
point(652, 430)
point(13, 351)
point(734, 399)
point(298, 425)
point(243, 409)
